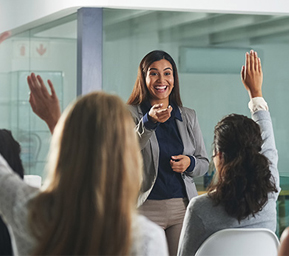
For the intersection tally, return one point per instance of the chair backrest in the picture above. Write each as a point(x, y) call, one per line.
point(240, 242)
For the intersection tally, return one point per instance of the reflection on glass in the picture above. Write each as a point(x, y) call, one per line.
point(50, 51)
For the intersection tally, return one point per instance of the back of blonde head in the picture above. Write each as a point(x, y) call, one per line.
point(88, 201)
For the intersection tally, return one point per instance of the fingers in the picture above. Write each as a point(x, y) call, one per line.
point(42, 86)
point(180, 163)
point(253, 61)
point(256, 62)
point(248, 66)
point(33, 84)
point(259, 65)
point(4, 36)
point(32, 102)
point(37, 86)
point(179, 157)
point(177, 166)
point(167, 110)
point(164, 114)
point(243, 73)
point(29, 83)
point(157, 106)
point(53, 93)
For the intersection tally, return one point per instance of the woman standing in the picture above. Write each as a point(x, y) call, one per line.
point(171, 144)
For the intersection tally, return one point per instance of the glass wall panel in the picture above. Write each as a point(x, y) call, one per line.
point(209, 49)
point(49, 51)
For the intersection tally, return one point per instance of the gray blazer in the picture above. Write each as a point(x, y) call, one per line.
point(192, 138)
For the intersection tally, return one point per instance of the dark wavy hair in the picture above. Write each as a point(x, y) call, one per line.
point(140, 91)
point(244, 177)
point(10, 150)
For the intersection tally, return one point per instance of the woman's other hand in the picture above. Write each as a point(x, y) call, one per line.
point(157, 114)
point(43, 104)
point(252, 75)
point(180, 163)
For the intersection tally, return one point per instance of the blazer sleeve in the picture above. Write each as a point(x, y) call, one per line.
point(143, 133)
point(196, 137)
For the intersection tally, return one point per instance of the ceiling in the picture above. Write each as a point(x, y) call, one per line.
point(198, 28)
point(187, 28)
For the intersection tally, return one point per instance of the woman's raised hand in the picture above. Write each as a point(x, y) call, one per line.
point(157, 114)
point(44, 104)
point(252, 75)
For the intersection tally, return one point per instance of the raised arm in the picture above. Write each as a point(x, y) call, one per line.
point(252, 78)
point(44, 104)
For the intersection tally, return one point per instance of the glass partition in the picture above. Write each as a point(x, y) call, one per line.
point(209, 49)
point(49, 51)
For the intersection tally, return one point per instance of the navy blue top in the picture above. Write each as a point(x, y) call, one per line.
point(169, 184)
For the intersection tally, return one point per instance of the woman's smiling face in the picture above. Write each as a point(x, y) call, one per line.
point(160, 81)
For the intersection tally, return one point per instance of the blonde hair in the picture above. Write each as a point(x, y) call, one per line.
point(88, 201)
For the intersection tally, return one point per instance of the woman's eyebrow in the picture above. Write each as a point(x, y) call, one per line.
point(157, 69)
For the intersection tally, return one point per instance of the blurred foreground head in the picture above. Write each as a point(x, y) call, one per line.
point(94, 177)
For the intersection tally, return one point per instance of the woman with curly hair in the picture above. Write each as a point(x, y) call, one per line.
point(245, 158)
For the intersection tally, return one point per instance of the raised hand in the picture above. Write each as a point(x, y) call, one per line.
point(157, 114)
point(4, 36)
point(180, 163)
point(43, 104)
point(252, 75)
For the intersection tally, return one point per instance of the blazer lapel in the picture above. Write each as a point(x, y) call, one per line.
point(153, 144)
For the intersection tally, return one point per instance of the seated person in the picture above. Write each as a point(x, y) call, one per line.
point(87, 205)
point(245, 158)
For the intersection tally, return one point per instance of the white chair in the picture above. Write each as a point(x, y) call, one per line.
point(240, 242)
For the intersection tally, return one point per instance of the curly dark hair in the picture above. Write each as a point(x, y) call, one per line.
point(244, 177)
